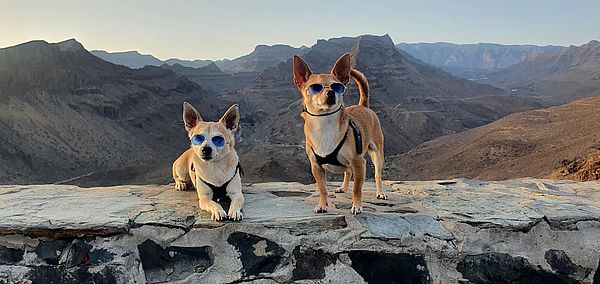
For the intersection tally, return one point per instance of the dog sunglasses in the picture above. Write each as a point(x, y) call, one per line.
point(219, 141)
point(338, 88)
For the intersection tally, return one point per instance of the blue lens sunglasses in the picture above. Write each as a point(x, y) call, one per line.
point(338, 88)
point(219, 141)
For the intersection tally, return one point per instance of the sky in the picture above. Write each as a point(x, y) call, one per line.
point(220, 29)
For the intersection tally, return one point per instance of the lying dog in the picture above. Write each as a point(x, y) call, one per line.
point(337, 137)
point(211, 164)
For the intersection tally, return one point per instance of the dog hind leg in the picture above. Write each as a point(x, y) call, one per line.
point(345, 183)
point(378, 158)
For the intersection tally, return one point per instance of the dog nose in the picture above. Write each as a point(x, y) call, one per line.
point(206, 150)
point(330, 98)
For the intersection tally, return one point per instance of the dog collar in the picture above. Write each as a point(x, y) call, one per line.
point(323, 114)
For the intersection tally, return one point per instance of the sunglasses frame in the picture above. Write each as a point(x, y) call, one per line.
point(211, 140)
point(323, 88)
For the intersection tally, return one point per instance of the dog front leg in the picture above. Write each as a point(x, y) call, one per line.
point(234, 191)
point(207, 204)
point(359, 170)
point(321, 179)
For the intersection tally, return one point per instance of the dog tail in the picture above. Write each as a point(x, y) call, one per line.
point(363, 87)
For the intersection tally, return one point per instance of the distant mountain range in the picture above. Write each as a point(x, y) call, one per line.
point(557, 78)
point(263, 57)
point(473, 61)
point(556, 142)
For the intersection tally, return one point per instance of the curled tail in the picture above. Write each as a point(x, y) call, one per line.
point(363, 87)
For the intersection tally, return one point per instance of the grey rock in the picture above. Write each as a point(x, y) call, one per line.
point(457, 231)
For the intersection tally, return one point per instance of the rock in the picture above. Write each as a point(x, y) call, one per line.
point(561, 263)
point(310, 263)
point(75, 254)
point(50, 251)
point(504, 268)
point(172, 263)
point(463, 231)
point(258, 254)
point(10, 255)
point(378, 267)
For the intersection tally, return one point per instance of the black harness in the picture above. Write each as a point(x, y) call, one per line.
point(331, 158)
point(220, 192)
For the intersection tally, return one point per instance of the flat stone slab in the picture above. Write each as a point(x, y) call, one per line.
point(514, 204)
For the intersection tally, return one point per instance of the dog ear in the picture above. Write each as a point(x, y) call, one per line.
point(342, 67)
point(231, 118)
point(191, 117)
point(301, 71)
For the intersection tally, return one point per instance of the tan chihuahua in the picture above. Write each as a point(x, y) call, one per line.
point(337, 136)
point(211, 164)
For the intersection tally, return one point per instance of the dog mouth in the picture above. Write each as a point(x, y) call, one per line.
point(206, 157)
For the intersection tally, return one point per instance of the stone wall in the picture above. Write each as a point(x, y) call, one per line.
point(459, 231)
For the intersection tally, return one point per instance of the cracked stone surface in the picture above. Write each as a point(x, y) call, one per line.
point(451, 231)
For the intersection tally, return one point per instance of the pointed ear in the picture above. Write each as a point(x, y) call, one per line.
point(231, 118)
point(191, 117)
point(342, 67)
point(301, 71)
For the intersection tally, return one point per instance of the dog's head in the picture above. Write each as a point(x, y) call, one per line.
point(211, 141)
point(322, 93)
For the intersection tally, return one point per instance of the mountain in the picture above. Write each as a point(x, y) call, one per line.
point(557, 78)
point(415, 103)
point(131, 59)
point(474, 60)
point(67, 113)
point(197, 63)
point(135, 60)
point(555, 142)
point(213, 78)
point(263, 57)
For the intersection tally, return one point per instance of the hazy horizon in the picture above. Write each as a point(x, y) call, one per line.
point(226, 30)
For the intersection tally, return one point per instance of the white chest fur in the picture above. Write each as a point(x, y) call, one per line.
point(324, 133)
point(219, 172)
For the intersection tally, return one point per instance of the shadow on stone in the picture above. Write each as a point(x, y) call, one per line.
point(50, 251)
point(283, 193)
point(496, 267)
point(310, 263)
point(59, 274)
point(561, 263)
point(381, 267)
point(173, 263)
point(258, 255)
point(10, 255)
point(75, 254)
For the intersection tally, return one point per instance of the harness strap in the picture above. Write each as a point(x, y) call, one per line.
point(331, 158)
point(220, 192)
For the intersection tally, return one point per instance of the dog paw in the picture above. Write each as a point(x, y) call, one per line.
point(218, 215)
point(340, 189)
point(356, 210)
point(321, 209)
point(235, 215)
point(382, 196)
point(180, 186)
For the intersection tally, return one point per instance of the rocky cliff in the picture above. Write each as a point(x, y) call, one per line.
point(452, 231)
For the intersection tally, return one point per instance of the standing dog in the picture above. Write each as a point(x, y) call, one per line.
point(211, 164)
point(337, 136)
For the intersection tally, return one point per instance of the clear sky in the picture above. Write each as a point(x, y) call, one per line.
point(227, 29)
